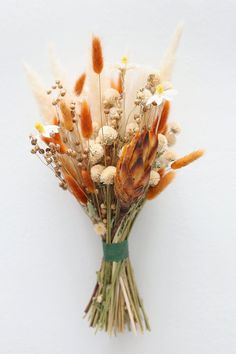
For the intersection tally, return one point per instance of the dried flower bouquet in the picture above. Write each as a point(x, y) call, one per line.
point(108, 142)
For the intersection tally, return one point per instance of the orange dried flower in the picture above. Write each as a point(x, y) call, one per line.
point(56, 139)
point(87, 180)
point(79, 85)
point(86, 120)
point(186, 160)
point(75, 189)
point(67, 117)
point(164, 182)
point(97, 55)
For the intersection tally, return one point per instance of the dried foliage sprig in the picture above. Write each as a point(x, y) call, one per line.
point(112, 152)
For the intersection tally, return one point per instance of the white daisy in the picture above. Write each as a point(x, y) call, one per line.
point(163, 92)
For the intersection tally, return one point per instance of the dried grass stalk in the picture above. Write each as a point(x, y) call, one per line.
point(86, 120)
point(97, 55)
point(75, 189)
point(186, 160)
point(66, 115)
point(164, 182)
point(79, 85)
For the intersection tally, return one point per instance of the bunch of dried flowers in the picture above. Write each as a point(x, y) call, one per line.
point(109, 142)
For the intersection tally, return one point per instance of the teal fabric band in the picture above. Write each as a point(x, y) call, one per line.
point(115, 252)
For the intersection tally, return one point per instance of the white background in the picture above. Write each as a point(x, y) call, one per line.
point(183, 246)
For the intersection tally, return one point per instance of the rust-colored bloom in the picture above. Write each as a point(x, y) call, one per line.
point(97, 55)
point(134, 166)
point(79, 85)
point(86, 120)
point(187, 159)
point(164, 182)
point(75, 189)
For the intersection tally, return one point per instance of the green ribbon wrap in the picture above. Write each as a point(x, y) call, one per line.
point(115, 252)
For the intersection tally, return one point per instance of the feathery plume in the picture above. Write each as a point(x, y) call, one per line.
point(187, 159)
point(66, 115)
point(79, 85)
point(164, 182)
point(86, 120)
point(40, 93)
point(97, 55)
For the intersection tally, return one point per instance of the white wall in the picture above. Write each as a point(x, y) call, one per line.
point(183, 246)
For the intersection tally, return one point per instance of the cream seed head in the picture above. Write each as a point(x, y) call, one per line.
point(154, 178)
point(162, 143)
point(95, 172)
point(107, 135)
point(175, 127)
point(107, 175)
point(96, 152)
point(171, 138)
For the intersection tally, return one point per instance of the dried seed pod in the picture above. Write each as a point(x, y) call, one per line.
point(164, 182)
point(76, 189)
point(86, 120)
point(79, 85)
point(97, 55)
point(186, 160)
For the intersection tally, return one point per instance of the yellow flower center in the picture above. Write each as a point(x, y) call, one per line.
point(39, 126)
point(160, 89)
point(124, 60)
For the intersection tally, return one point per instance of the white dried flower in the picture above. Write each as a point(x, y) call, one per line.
point(107, 134)
point(154, 178)
point(110, 97)
point(96, 152)
point(100, 229)
point(175, 127)
point(108, 174)
point(132, 128)
point(162, 143)
point(171, 138)
point(95, 172)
